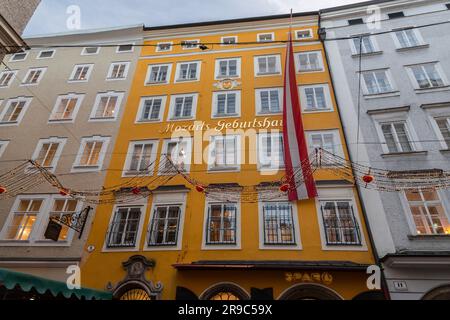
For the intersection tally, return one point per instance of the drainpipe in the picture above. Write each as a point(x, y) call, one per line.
point(384, 286)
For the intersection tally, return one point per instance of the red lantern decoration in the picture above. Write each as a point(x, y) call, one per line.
point(64, 192)
point(200, 188)
point(136, 190)
point(2, 189)
point(368, 178)
point(285, 187)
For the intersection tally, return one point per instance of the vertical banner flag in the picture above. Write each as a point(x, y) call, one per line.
point(296, 157)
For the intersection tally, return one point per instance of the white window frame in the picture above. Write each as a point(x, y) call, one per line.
point(79, 97)
point(149, 71)
point(188, 153)
point(158, 49)
point(295, 218)
point(125, 72)
point(175, 198)
point(277, 64)
point(311, 34)
point(77, 167)
point(344, 195)
point(197, 75)
point(338, 146)
point(172, 105)
point(212, 157)
point(258, 37)
point(439, 70)
point(84, 53)
point(137, 204)
point(222, 246)
point(259, 102)
point(142, 105)
point(11, 59)
point(183, 46)
point(327, 96)
point(3, 146)
point(41, 75)
point(126, 172)
point(118, 95)
point(388, 77)
point(125, 44)
point(14, 74)
point(217, 75)
point(215, 100)
point(222, 39)
point(417, 34)
point(61, 143)
point(270, 166)
point(53, 51)
point(320, 59)
point(74, 71)
point(22, 113)
point(442, 111)
point(355, 49)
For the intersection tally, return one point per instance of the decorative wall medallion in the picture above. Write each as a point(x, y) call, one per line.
point(227, 84)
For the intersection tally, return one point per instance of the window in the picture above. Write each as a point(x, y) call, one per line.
point(224, 153)
point(183, 106)
point(444, 128)
point(271, 151)
point(310, 61)
point(448, 6)
point(397, 137)
point(316, 98)
point(66, 107)
point(353, 22)
point(20, 56)
point(267, 65)
point(266, 37)
point(151, 109)
point(6, 78)
point(14, 111)
point(48, 152)
point(188, 71)
point(427, 212)
point(33, 76)
point(175, 152)
point(123, 48)
point(158, 74)
point(164, 46)
point(328, 140)
point(118, 71)
point(339, 223)
point(229, 40)
point(427, 76)
point(303, 34)
point(278, 224)
point(107, 106)
point(81, 73)
point(141, 157)
point(23, 219)
point(363, 43)
point(228, 68)
point(221, 224)
point(395, 15)
point(165, 225)
point(408, 38)
point(61, 208)
point(124, 227)
point(226, 104)
point(46, 54)
point(91, 154)
point(268, 101)
point(3, 145)
point(189, 44)
point(377, 82)
point(90, 51)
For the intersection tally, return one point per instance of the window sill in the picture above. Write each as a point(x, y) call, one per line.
point(115, 79)
point(75, 81)
point(102, 119)
point(428, 236)
point(382, 95)
point(181, 119)
point(231, 115)
point(318, 110)
point(275, 113)
point(60, 120)
point(399, 154)
point(86, 168)
point(311, 70)
point(155, 83)
point(421, 46)
point(223, 169)
point(445, 151)
point(368, 54)
point(186, 80)
point(227, 77)
point(149, 121)
point(9, 123)
point(436, 89)
point(268, 74)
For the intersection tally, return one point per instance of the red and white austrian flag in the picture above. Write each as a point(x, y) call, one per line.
point(298, 167)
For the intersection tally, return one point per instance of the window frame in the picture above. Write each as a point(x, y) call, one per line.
point(98, 98)
point(197, 74)
point(183, 46)
point(22, 113)
point(217, 75)
point(415, 82)
point(38, 57)
point(258, 101)
point(311, 34)
point(85, 53)
point(77, 167)
point(417, 34)
point(320, 60)
point(149, 71)
point(214, 109)
point(3, 146)
point(222, 39)
point(157, 49)
point(74, 71)
point(11, 59)
point(111, 69)
point(141, 109)
point(42, 70)
point(388, 77)
point(339, 149)
point(172, 106)
point(238, 153)
point(259, 150)
point(437, 129)
point(14, 74)
point(61, 144)
point(132, 44)
point(79, 97)
point(373, 40)
point(277, 64)
point(327, 98)
point(164, 149)
point(258, 37)
point(126, 172)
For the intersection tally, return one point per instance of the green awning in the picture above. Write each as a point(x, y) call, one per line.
point(11, 279)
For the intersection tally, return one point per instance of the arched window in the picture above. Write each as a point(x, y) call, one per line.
point(135, 294)
point(225, 291)
point(440, 293)
point(309, 292)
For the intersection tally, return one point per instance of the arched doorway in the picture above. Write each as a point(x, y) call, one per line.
point(439, 293)
point(309, 292)
point(132, 291)
point(225, 291)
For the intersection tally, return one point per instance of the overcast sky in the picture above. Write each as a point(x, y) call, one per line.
point(51, 16)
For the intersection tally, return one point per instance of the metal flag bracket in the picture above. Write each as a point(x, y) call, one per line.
point(75, 221)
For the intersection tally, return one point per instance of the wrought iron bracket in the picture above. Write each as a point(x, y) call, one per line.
point(75, 221)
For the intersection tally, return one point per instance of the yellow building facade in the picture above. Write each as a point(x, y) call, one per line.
point(179, 243)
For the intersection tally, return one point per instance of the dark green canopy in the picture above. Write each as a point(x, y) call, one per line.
point(11, 279)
